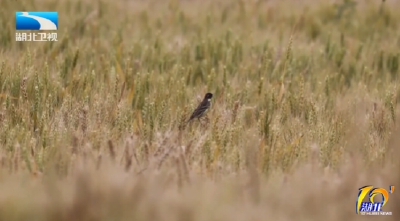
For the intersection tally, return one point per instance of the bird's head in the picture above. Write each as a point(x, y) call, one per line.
point(208, 96)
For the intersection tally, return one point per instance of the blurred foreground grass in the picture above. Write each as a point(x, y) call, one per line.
point(304, 110)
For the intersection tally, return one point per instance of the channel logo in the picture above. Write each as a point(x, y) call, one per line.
point(372, 207)
point(36, 20)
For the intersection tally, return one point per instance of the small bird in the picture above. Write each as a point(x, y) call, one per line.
point(202, 108)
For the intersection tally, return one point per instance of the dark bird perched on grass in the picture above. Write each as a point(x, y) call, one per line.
point(202, 108)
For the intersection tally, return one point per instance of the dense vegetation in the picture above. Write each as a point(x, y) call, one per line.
point(305, 110)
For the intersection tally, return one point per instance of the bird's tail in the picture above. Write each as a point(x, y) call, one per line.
point(183, 125)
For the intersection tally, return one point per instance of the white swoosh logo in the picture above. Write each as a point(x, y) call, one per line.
point(45, 24)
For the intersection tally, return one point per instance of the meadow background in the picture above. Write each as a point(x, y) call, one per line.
point(305, 110)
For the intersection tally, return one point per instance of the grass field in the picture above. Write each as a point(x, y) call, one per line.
point(305, 110)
